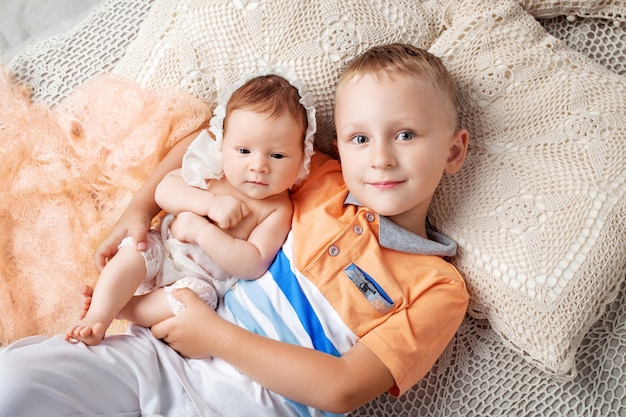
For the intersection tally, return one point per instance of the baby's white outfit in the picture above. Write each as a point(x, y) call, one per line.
point(172, 264)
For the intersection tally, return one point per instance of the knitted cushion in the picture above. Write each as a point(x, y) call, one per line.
point(539, 209)
point(608, 9)
point(200, 45)
point(600, 39)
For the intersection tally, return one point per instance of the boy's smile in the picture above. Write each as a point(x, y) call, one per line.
point(395, 139)
point(386, 185)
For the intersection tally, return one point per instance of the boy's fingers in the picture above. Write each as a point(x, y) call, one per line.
point(103, 253)
point(161, 330)
point(140, 237)
point(184, 294)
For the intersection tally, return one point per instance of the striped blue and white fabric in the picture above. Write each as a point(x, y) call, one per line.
point(282, 305)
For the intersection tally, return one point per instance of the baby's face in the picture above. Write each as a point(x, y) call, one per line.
point(262, 154)
point(394, 138)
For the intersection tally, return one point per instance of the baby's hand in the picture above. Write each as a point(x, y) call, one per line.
point(187, 226)
point(226, 211)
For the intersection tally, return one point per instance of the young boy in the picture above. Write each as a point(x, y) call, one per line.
point(358, 301)
point(239, 212)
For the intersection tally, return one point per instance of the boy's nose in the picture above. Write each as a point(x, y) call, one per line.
point(382, 156)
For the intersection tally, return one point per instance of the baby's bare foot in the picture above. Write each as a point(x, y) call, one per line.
point(90, 335)
point(90, 330)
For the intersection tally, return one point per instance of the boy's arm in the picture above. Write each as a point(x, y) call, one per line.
point(136, 219)
point(242, 258)
point(335, 384)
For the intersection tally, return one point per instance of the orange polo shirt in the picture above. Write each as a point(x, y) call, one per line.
point(403, 306)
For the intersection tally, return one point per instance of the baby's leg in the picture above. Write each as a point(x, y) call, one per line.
point(158, 305)
point(147, 310)
point(117, 283)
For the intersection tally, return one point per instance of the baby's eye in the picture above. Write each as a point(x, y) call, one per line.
point(359, 139)
point(405, 136)
point(243, 150)
point(277, 156)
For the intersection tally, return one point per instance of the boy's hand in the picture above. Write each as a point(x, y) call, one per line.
point(303, 374)
point(181, 332)
point(226, 211)
point(134, 224)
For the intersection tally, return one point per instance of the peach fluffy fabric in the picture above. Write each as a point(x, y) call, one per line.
point(68, 172)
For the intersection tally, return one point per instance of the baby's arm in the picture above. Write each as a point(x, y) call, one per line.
point(136, 219)
point(335, 384)
point(244, 259)
point(174, 195)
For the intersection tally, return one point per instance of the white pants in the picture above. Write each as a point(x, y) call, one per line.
point(124, 375)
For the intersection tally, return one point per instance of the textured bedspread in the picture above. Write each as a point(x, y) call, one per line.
point(73, 169)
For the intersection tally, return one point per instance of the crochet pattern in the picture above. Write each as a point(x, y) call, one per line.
point(539, 207)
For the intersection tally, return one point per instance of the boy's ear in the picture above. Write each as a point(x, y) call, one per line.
point(457, 152)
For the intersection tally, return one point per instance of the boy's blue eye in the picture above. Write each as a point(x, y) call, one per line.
point(360, 139)
point(277, 156)
point(405, 136)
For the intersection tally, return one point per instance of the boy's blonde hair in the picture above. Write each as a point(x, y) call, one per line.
point(404, 59)
point(268, 93)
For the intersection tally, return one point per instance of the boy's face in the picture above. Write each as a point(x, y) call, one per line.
point(395, 140)
point(262, 154)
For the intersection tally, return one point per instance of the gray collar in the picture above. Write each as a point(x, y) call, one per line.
point(392, 236)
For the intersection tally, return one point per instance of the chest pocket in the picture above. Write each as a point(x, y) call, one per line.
point(371, 290)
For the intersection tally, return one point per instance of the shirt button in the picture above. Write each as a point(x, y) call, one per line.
point(370, 217)
point(333, 250)
point(358, 229)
